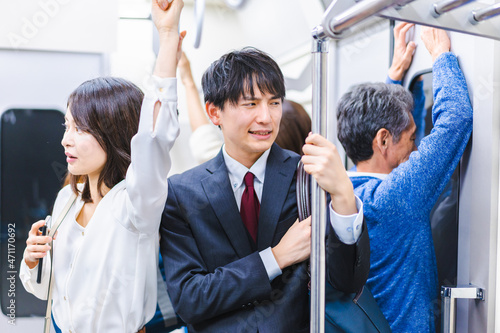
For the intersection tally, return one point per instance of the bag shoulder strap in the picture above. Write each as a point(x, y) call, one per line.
point(64, 212)
point(302, 192)
point(53, 229)
point(344, 312)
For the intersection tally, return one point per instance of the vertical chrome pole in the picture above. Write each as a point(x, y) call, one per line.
point(448, 311)
point(318, 197)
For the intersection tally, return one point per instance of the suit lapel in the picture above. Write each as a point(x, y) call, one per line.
point(221, 197)
point(280, 170)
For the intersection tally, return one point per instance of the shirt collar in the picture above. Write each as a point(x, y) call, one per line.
point(367, 174)
point(237, 171)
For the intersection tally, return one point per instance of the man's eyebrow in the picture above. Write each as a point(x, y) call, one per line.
point(248, 97)
point(251, 98)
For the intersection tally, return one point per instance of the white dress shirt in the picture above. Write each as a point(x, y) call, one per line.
point(347, 227)
point(105, 275)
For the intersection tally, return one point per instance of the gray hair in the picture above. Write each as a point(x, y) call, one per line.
point(365, 109)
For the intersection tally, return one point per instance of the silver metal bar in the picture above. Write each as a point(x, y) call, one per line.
point(199, 14)
point(358, 13)
point(449, 295)
point(329, 28)
point(486, 13)
point(335, 25)
point(448, 308)
point(318, 197)
point(444, 6)
point(459, 20)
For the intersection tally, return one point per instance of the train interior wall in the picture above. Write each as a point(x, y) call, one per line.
point(42, 72)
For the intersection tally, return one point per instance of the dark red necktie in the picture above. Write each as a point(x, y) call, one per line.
point(250, 207)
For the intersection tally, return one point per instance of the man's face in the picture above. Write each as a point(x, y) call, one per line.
point(249, 127)
point(400, 152)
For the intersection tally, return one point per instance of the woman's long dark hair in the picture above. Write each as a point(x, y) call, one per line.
point(108, 108)
point(295, 126)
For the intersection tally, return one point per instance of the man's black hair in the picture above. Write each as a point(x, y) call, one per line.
point(236, 73)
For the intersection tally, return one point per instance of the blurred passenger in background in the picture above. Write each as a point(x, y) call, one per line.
point(295, 126)
point(205, 140)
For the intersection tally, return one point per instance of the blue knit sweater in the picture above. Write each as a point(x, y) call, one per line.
point(403, 273)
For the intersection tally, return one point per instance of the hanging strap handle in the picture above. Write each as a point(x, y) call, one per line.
point(53, 229)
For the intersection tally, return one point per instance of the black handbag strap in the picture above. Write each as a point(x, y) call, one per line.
point(302, 192)
point(344, 312)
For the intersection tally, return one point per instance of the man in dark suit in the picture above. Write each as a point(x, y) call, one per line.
point(235, 254)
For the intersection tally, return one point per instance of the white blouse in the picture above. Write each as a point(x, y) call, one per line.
point(105, 274)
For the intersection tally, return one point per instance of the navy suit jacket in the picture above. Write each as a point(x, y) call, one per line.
point(214, 274)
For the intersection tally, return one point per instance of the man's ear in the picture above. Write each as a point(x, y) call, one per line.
point(213, 113)
point(381, 141)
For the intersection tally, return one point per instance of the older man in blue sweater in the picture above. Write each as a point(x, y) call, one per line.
point(399, 185)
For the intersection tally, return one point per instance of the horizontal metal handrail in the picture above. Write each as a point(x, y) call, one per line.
point(333, 25)
point(357, 13)
point(484, 14)
point(444, 6)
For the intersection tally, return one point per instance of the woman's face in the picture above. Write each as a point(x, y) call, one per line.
point(84, 154)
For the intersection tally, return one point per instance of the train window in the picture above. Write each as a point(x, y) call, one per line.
point(32, 167)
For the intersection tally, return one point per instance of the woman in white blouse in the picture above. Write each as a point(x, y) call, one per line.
point(106, 253)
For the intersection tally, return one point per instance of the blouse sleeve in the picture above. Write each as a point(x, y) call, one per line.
point(146, 179)
point(28, 278)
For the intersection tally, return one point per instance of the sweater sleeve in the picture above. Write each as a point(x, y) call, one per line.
point(418, 182)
